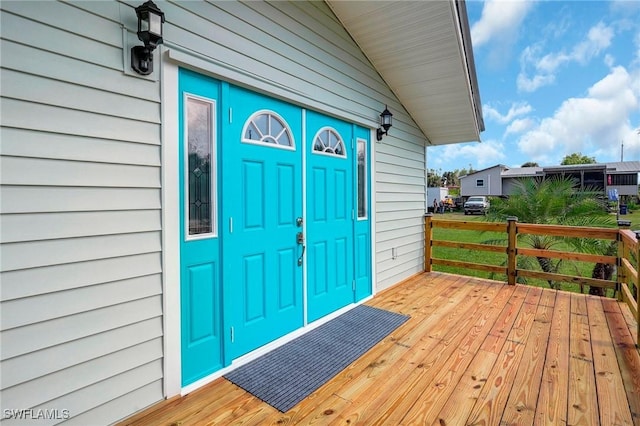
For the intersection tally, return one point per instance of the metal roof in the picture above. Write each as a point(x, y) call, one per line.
point(623, 167)
point(522, 172)
point(422, 49)
point(619, 167)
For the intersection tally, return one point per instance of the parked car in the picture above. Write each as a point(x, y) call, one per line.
point(476, 204)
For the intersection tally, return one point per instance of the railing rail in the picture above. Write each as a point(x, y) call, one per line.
point(627, 259)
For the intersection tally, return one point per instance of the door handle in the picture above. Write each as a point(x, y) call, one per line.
point(300, 241)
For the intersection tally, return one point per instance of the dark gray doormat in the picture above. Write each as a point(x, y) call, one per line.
point(288, 374)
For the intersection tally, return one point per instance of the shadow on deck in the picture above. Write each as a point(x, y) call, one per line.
point(474, 351)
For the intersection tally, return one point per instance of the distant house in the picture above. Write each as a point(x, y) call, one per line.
point(483, 182)
point(160, 229)
point(499, 179)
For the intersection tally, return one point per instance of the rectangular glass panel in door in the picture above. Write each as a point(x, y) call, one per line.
point(200, 292)
point(362, 179)
point(201, 182)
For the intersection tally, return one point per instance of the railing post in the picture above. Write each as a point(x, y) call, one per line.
point(428, 236)
point(621, 276)
point(512, 236)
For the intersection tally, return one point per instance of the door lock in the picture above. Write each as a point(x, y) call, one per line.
point(299, 221)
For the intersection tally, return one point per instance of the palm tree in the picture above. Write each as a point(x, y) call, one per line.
point(553, 201)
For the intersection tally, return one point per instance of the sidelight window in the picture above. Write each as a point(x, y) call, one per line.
point(362, 179)
point(200, 167)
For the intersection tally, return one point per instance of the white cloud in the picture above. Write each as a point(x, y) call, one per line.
point(520, 125)
point(598, 38)
point(479, 154)
point(596, 123)
point(544, 67)
point(516, 110)
point(526, 84)
point(499, 18)
point(498, 30)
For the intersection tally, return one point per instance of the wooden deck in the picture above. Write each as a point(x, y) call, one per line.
point(474, 352)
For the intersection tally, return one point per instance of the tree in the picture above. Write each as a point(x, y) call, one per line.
point(433, 178)
point(530, 164)
point(577, 158)
point(554, 201)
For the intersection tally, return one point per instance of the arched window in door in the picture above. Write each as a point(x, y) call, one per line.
point(328, 141)
point(268, 128)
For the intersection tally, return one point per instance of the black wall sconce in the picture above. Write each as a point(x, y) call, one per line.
point(150, 20)
point(385, 123)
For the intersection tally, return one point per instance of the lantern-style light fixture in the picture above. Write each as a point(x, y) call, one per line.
point(385, 123)
point(150, 20)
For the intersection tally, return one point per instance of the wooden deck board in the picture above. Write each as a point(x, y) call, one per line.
point(612, 401)
point(626, 353)
point(473, 351)
point(582, 404)
point(521, 405)
point(434, 381)
point(490, 406)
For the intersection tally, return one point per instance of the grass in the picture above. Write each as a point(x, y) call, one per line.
point(568, 268)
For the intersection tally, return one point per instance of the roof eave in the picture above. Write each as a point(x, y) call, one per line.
point(437, 86)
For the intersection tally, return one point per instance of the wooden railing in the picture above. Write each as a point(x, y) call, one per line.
point(627, 260)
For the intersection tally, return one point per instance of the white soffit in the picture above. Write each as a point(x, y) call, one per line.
point(418, 47)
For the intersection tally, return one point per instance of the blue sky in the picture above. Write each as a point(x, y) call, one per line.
point(555, 77)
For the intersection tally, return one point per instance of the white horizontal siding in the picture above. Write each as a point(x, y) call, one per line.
point(121, 397)
point(400, 203)
point(20, 114)
point(37, 336)
point(44, 90)
point(33, 254)
point(32, 199)
point(81, 300)
point(79, 376)
point(36, 281)
point(17, 313)
point(28, 143)
point(28, 59)
point(25, 30)
point(68, 17)
point(59, 357)
point(128, 400)
point(39, 171)
point(47, 226)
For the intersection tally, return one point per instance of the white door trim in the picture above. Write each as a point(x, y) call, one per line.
point(170, 228)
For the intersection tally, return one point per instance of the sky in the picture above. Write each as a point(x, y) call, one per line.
point(555, 78)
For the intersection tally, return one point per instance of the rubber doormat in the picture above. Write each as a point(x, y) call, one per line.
point(285, 376)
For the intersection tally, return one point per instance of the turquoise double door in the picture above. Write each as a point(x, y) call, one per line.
point(274, 224)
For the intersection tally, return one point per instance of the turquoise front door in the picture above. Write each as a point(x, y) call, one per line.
point(262, 218)
point(200, 289)
point(246, 162)
point(330, 215)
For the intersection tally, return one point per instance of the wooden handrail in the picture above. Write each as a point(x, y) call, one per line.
point(627, 259)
